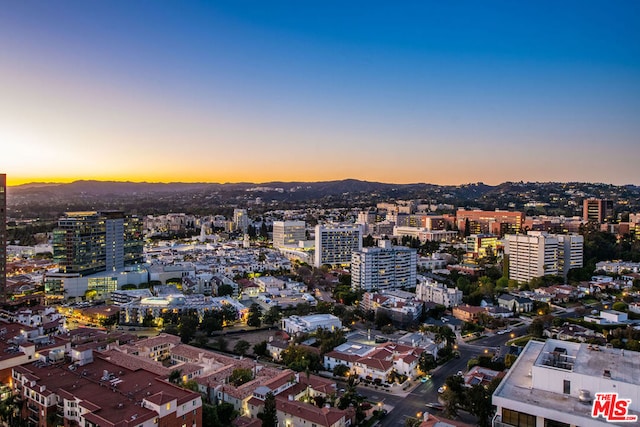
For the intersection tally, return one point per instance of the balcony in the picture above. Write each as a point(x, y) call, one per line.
point(33, 408)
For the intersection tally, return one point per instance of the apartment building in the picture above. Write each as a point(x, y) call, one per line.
point(539, 254)
point(383, 268)
point(430, 291)
point(335, 243)
point(102, 393)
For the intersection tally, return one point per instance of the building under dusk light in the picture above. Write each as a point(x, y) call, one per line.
point(335, 243)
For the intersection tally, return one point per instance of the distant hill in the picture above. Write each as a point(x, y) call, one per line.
point(46, 200)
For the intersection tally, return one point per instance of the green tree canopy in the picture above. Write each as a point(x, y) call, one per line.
point(269, 414)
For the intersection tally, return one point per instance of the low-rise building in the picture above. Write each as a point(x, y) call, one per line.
point(515, 303)
point(556, 383)
point(295, 324)
point(432, 291)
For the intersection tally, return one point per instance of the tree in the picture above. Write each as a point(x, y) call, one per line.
point(224, 290)
point(368, 241)
point(300, 358)
point(272, 315)
point(241, 347)
point(255, 315)
point(426, 362)
point(240, 376)
point(187, 327)
point(340, 370)
point(382, 318)
point(90, 294)
point(453, 395)
point(229, 314)
point(212, 321)
point(260, 349)
point(175, 377)
point(619, 306)
point(412, 422)
point(147, 320)
point(269, 414)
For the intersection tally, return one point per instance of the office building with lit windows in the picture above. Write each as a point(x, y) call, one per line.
point(489, 222)
point(336, 242)
point(91, 242)
point(597, 210)
point(383, 268)
point(93, 249)
point(288, 233)
point(554, 384)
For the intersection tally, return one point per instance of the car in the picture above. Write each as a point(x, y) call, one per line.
point(460, 374)
point(456, 354)
point(425, 378)
point(436, 406)
point(442, 389)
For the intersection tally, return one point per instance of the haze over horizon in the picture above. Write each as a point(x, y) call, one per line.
point(244, 91)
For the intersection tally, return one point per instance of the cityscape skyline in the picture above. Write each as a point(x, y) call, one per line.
point(251, 92)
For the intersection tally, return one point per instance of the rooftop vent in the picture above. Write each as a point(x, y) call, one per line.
point(584, 396)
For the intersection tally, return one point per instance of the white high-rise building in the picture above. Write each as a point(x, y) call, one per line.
point(570, 252)
point(240, 220)
point(539, 254)
point(383, 268)
point(336, 242)
point(288, 233)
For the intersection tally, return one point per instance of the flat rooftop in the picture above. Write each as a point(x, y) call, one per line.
point(518, 383)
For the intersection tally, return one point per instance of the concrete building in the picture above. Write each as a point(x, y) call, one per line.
point(91, 242)
point(335, 243)
point(489, 222)
point(295, 324)
point(570, 252)
point(480, 245)
point(554, 383)
point(424, 234)
point(384, 267)
point(597, 210)
point(430, 291)
point(240, 220)
point(288, 233)
point(539, 254)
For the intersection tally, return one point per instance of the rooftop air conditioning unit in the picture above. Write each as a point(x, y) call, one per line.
point(584, 396)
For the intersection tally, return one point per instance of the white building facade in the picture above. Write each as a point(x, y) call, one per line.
point(430, 291)
point(288, 233)
point(383, 268)
point(335, 243)
point(539, 254)
point(555, 383)
point(295, 324)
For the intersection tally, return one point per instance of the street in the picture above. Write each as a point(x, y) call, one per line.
point(415, 402)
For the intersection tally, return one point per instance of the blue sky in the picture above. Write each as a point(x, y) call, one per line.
point(441, 92)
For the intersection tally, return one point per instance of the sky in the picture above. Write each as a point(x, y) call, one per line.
point(443, 92)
